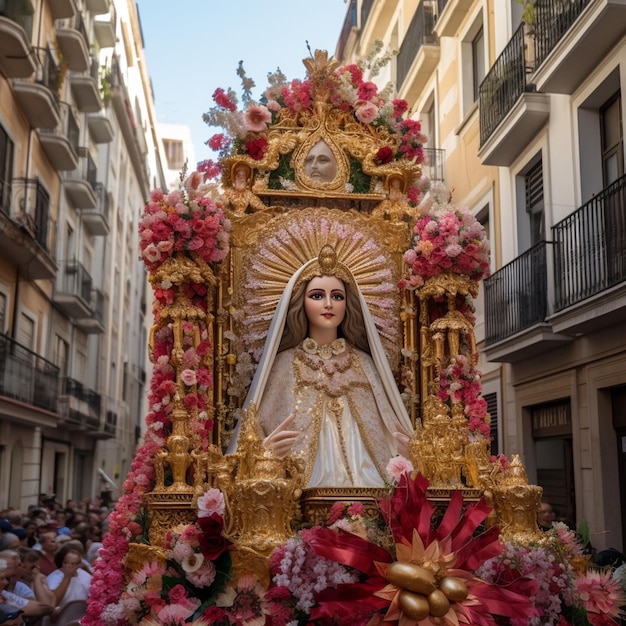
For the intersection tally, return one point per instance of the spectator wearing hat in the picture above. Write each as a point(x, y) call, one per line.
point(10, 616)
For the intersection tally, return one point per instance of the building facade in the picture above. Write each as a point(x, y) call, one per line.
point(79, 153)
point(523, 108)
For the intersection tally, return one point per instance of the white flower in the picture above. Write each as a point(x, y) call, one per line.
point(193, 562)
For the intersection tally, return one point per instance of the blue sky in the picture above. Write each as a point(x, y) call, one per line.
point(194, 46)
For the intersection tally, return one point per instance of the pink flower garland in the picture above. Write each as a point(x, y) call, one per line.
point(449, 241)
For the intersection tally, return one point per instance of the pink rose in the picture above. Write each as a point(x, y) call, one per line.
point(188, 377)
point(366, 112)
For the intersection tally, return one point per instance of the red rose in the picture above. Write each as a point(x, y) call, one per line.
point(212, 542)
point(384, 155)
point(256, 148)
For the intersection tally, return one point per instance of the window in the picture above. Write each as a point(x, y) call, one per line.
point(473, 61)
point(26, 332)
point(492, 408)
point(533, 182)
point(3, 311)
point(612, 135)
point(478, 61)
point(61, 355)
point(174, 153)
point(6, 171)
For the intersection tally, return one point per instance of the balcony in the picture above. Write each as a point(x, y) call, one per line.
point(104, 28)
point(375, 19)
point(124, 114)
point(80, 183)
point(590, 264)
point(98, 7)
point(97, 219)
point(419, 53)
point(110, 426)
point(510, 111)
point(62, 9)
point(100, 127)
point(73, 43)
point(94, 324)
point(72, 293)
point(25, 236)
point(85, 88)
point(38, 96)
point(79, 407)
point(16, 31)
point(572, 38)
point(434, 163)
point(27, 377)
point(452, 13)
point(516, 306)
point(61, 142)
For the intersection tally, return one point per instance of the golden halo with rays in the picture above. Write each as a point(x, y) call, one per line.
point(288, 241)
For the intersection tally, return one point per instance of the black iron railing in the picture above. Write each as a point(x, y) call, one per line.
point(516, 296)
point(74, 279)
point(82, 405)
point(553, 19)
point(420, 32)
point(85, 170)
point(97, 304)
point(31, 208)
point(102, 204)
point(26, 376)
point(503, 85)
point(47, 72)
point(590, 247)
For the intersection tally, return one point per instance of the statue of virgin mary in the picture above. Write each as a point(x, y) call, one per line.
point(323, 388)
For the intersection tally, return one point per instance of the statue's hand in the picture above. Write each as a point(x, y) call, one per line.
point(403, 438)
point(280, 440)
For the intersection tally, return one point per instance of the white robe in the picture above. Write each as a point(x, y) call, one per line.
point(345, 418)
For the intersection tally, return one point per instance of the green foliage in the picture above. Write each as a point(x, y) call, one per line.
point(528, 15)
point(359, 180)
point(283, 171)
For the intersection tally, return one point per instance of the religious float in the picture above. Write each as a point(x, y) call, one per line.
point(324, 178)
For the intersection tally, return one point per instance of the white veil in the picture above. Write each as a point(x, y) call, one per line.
point(274, 336)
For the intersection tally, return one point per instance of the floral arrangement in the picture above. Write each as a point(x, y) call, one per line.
point(244, 131)
point(446, 239)
point(460, 383)
point(405, 569)
point(568, 590)
point(183, 220)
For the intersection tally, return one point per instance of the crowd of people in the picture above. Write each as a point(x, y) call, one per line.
point(47, 555)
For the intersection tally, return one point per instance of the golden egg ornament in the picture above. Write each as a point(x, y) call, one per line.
point(453, 588)
point(412, 577)
point(413, 605)
point(438, 603)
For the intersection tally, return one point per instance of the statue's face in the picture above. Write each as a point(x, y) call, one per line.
point(320, 164)
point(325, 303)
